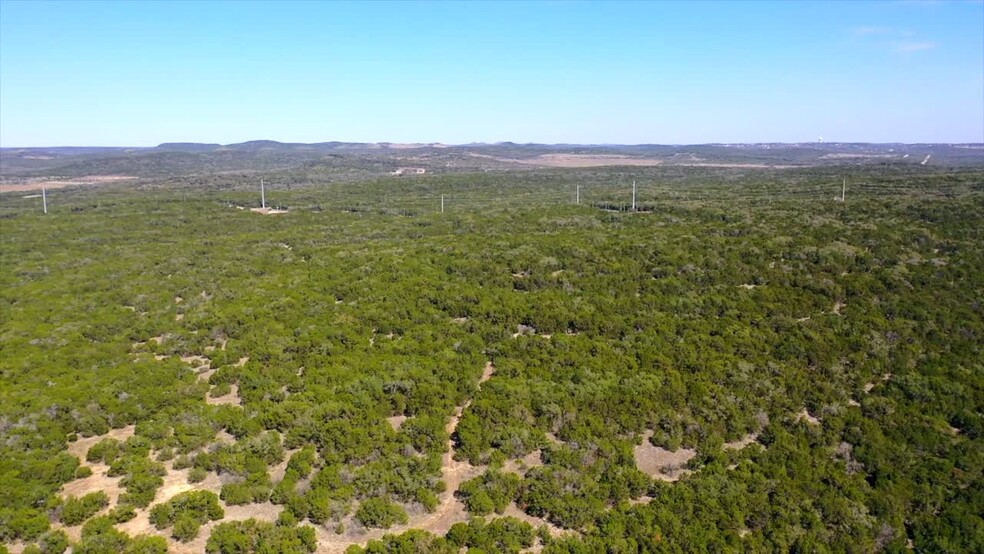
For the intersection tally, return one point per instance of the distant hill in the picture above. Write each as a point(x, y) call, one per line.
point(187, 147)
point(376, 159)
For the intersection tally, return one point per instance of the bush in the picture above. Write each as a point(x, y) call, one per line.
point(146, 544)
point(185, 527)
point(380, 513)
point(77, 510)
point(123, 513)
point(246, 537)
point(197, 475)
point(53, 542)
point(187, 512)
point(105, 451)
point(82, 472)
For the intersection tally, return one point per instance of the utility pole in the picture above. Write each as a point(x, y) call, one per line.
point(262, 194)
point(844, 190)
point(577, 194)
point(44, 200)
point(442, 203)
point(633, 195)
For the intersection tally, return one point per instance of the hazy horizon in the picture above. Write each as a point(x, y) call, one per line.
point(422, 144)
point(143, 73)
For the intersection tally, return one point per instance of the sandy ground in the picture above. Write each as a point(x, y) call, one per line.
point(231, 398)
point(81, 446)
point(267, 211)
point(660, 463)
point(528, 462)
point(396, 421)
point(56, 183)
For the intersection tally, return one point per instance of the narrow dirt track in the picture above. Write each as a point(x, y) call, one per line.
point(449, 510)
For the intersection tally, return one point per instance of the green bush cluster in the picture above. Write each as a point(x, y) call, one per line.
point(186, 512)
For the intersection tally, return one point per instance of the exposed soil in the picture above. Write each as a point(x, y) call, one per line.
point(396, 421)
point(56, 183)
point(660, 463)
point(449, 510)
point(805, 416)
point(528, 462)
point(81, 446)
point(742, 442)
point(231, 398)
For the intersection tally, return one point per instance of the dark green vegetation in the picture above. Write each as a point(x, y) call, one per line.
point(365, 303)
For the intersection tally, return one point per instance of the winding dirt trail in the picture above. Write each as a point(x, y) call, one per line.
point(449, 510)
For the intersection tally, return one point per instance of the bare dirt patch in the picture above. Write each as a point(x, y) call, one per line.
point(278, 471)
point(512, 510)
point(81, 446)
point(590, 160)
point(57, 183)
point(742, 442)
point(526, 463)
point(198, 362)
point(805, 416)
point(660, 463)
point(267, 211)
point(232, 398)
point(575, 160)
point(396, 421)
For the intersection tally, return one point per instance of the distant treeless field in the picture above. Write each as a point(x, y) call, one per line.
point(55, 183)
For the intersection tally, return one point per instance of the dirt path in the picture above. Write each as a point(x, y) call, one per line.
point(449, 510)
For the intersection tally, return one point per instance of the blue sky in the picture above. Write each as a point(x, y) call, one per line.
point(141, 73)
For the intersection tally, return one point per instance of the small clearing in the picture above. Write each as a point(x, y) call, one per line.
point(57, 182)
point(81, 446)
point(396, 421)
point(748, 286)
point(838, 306)
point(198, 362)
point(524, 464)
point(660, 463)
point(242, 361)
point(522, 329)
point(804, 415)
point(742, 442)
point(449, 510)
point(512, 510)
point(232, 398)
point(278, 471)
point(267, 211)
